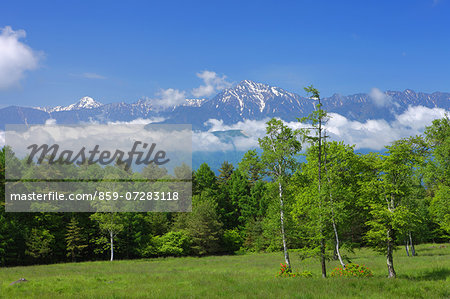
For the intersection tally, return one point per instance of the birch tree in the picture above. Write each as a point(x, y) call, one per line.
point(110, 223)
point(280, 147)
point(387, 193)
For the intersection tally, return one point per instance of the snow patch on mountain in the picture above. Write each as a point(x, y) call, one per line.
point(194, 102)
point(83, 103)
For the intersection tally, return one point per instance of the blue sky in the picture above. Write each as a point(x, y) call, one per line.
point(115, 51)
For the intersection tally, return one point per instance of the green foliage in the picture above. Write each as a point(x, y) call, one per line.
point(203, 179)
point(174, 243)
point(110, 223)
point(39, 243)
point(382, 218)
point(225, 172)
point(440, 207)
point(204, 227)
point(280, 148)
point(404, 192)
point(287, 272)
point(254, 240)
point(251, 166)
point(352, 270)
point(232, 240)
point(389, 191)
point(437, 173)
point(75, 242)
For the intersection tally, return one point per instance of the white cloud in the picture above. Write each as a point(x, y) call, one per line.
point(206, 141)
point(379, 98)
point(168, 98)
point(251, 130)
point(15, 57)
point(2, 139)
point(50, 121)
point(107, 136)
point(373, 134)
point(417, 117)
point(93, 76)
point(138, 121)
point(212, 84)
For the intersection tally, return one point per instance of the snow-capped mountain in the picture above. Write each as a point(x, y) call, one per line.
point(250, 100)
point(246, 100)
point(83, 103)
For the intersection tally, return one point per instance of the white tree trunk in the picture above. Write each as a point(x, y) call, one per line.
point(389, 257)
point(112, 244)
point(413, 250)
point(286, 254)
point(337, 243)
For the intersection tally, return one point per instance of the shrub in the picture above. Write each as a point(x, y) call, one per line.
point(174, 244)
point(306, 273)
point(171, 244)
point(352, 270)
point(232, 240)
point(286, 272)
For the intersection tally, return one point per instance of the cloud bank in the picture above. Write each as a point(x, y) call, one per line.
point(15, 57)
point(373, 134)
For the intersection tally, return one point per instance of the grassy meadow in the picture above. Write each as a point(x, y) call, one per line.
point(241, 276)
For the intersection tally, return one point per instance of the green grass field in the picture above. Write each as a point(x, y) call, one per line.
point(240, 276)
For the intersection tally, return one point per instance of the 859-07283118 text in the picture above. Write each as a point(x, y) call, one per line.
point(97, 195)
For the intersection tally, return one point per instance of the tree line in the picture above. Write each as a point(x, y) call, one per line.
point(270, 201)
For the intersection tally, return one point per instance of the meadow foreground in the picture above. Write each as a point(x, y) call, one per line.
point(241, 276)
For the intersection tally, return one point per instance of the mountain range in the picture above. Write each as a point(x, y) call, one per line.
point(246, 100)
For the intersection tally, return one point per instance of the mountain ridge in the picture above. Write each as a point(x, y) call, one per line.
point(246, 100)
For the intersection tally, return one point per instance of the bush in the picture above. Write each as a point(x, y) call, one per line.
point(232, 240)
point(171, 244)
point(286, 272)
point(174, 244)
point(352, 270)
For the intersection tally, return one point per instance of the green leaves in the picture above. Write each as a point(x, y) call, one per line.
point(280, 147)
point(39, 243)
point(75, 242)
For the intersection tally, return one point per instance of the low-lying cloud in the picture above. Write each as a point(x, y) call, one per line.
point(373, 134)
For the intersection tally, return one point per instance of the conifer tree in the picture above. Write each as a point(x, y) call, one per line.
point(75, 242)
